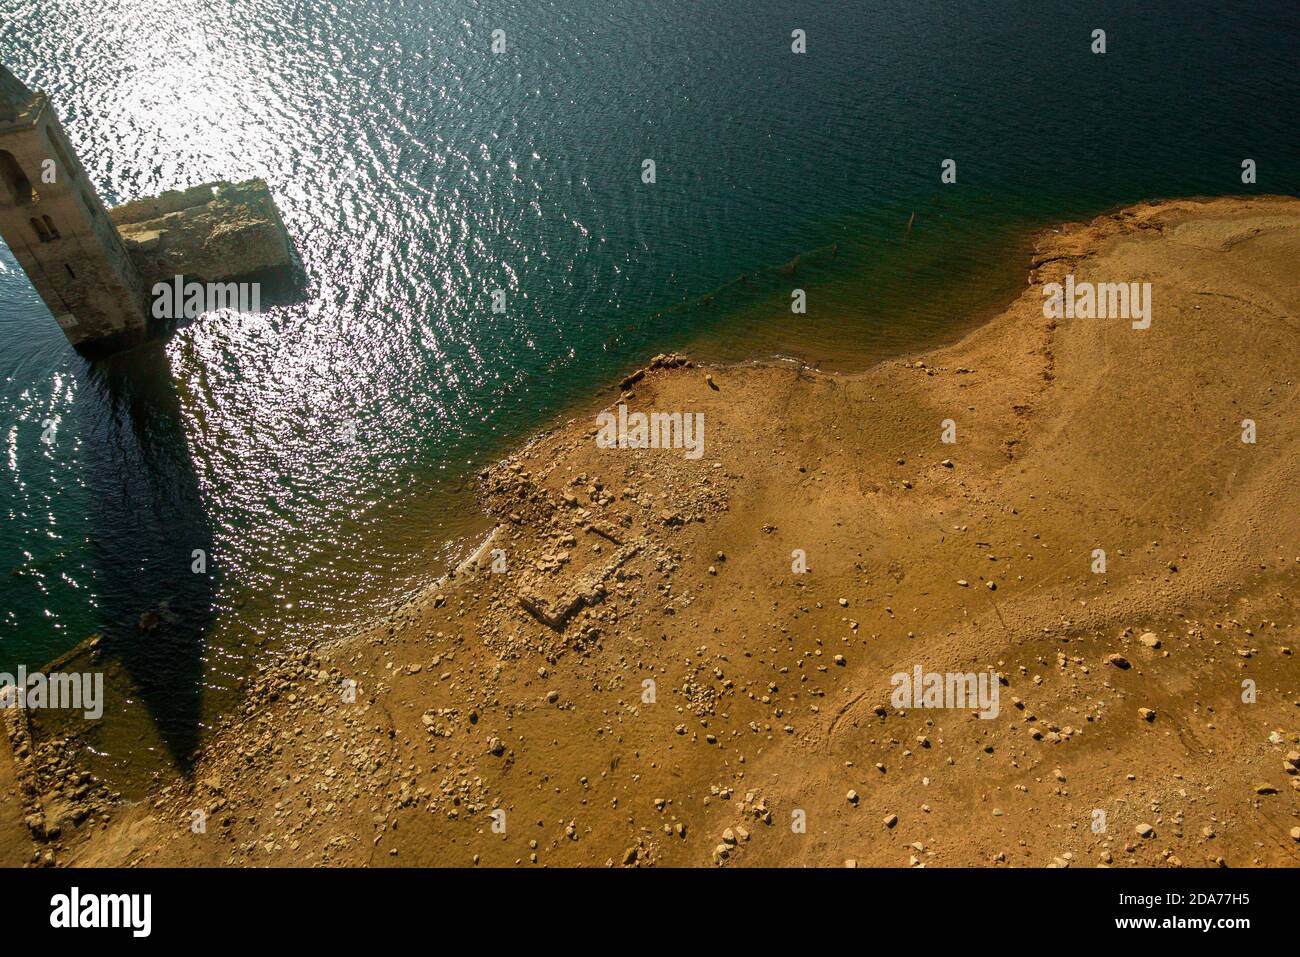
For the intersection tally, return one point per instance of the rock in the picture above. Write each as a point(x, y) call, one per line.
point(852, 796)
point(890, 820)
point(1145, 831)
point(963, 582)
point(1118, 660)
point(1149, 639)
point(1146, 714)
point(1265, 789)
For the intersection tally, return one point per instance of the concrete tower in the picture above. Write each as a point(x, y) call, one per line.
point(56, 226)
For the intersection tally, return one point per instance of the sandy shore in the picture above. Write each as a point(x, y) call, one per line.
point(651, 680)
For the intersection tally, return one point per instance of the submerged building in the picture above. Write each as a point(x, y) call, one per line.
point(93, 266)
point(57, 227)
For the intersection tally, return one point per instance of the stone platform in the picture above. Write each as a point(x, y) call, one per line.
point(216, 232)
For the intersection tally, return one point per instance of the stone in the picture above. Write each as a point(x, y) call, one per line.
point(99, 295)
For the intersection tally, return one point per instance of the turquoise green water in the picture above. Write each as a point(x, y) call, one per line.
point(417, 172)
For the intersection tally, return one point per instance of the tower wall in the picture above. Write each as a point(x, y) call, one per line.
point(61, 233)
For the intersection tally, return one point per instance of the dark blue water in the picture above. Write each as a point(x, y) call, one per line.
point(417, 172)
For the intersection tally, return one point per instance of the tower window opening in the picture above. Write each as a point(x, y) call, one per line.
point(70, 272)
point(66, 165)
point(49, 225)
point(21, 191)
point(41, 232)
